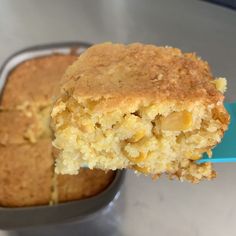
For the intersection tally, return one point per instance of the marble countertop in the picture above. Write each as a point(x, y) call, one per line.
point(144, 207)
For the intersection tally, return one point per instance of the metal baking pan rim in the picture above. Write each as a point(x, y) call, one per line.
point(118, 179)
point(49, 46)
point(40, 50)
point(30, 217)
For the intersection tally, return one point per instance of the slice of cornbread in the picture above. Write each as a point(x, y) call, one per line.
point(152, 109)
point(25, 174)
point(86, 184)
point(17, 128)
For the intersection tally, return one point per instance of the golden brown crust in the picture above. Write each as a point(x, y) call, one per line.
point(15, 126)
point(86, 184)
point(36, 80)
point(143, 72)
point(25, 174)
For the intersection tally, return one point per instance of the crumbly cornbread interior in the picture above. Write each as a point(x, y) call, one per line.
point(151, 136)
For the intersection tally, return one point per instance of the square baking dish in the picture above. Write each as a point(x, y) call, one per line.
point(21, 217)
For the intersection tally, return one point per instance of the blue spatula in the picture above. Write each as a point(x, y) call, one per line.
point(226, 150)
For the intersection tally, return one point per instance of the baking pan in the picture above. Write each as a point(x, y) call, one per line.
point(21, 217)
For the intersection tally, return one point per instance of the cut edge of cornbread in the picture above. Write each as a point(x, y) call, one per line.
point(151, 138)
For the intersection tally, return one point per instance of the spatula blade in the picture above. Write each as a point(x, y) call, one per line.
point(226, 150)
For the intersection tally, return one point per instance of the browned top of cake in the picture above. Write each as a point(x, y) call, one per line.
point(86, 184)
point(138, 71)
point(25, 174)
point(15, 127)
point(35, 80)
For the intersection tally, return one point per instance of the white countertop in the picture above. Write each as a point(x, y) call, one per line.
point(145, 207)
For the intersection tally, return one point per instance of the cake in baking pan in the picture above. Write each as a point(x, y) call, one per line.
point(27, 176)
point(152, 109)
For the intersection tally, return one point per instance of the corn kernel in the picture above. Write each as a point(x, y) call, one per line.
point(177, 121)
point(136, 137)
point(221, 84)
point(143, 170)
point(192, 156)
point(195, 157)
point(140, 158)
